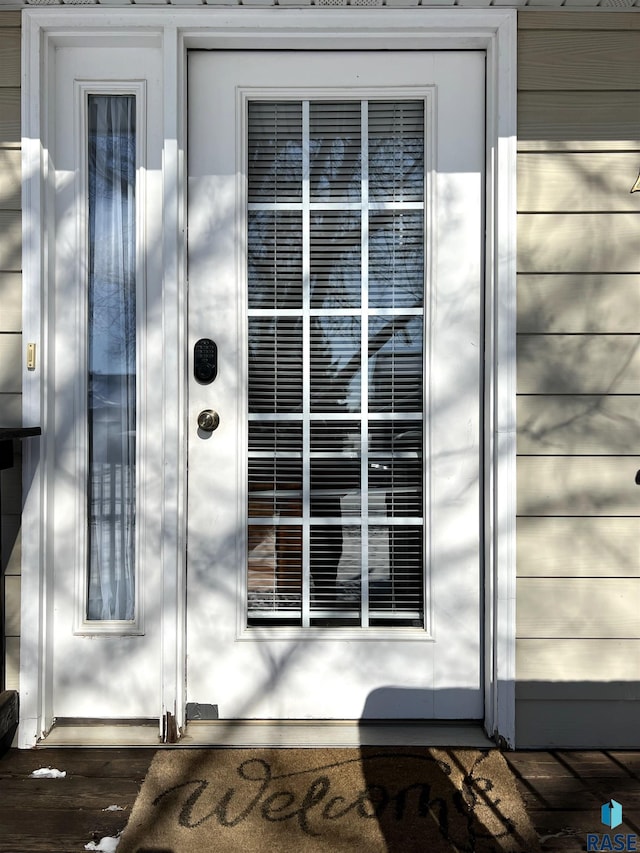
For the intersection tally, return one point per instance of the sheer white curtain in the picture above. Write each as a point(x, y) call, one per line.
point(112, 357)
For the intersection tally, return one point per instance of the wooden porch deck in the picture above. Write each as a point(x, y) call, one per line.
point(562, 790)
point(62, 815)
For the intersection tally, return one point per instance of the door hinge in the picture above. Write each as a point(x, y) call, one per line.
point(169, 729)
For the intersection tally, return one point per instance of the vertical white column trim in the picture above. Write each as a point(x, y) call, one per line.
point(34, 592)
point(174, 379)
point(500, 387)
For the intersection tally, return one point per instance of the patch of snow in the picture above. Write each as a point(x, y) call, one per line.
point(48, 773)
point(107, 844)
point(113, 809)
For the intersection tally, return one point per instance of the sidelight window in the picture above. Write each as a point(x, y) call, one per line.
point(111, 357)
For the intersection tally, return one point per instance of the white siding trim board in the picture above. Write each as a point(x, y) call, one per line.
point(543, 5)
point(619, 6)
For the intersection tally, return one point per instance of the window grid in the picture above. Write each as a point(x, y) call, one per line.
point(364, 370)
point(306, 338)
point(305, 613)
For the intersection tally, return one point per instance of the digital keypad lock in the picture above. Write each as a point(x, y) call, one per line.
point(205, 361)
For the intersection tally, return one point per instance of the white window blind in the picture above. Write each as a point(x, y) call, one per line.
point(335, 363)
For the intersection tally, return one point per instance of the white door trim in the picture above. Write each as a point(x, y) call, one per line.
point(176, 31)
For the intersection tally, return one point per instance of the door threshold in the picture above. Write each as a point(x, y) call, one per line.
point(333, 733)
point(243, 734)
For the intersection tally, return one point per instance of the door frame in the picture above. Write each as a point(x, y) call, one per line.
point(175, 30)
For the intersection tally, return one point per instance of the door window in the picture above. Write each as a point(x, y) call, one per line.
point(335, 363)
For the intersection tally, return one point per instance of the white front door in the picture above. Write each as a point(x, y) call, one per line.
point(335, 329)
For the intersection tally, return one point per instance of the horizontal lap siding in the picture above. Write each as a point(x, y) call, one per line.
point(10, 327)
point(578, 547)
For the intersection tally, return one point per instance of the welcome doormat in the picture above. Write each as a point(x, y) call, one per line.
point(367, 800)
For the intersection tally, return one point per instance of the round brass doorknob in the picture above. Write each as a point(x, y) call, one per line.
point(208, 420)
